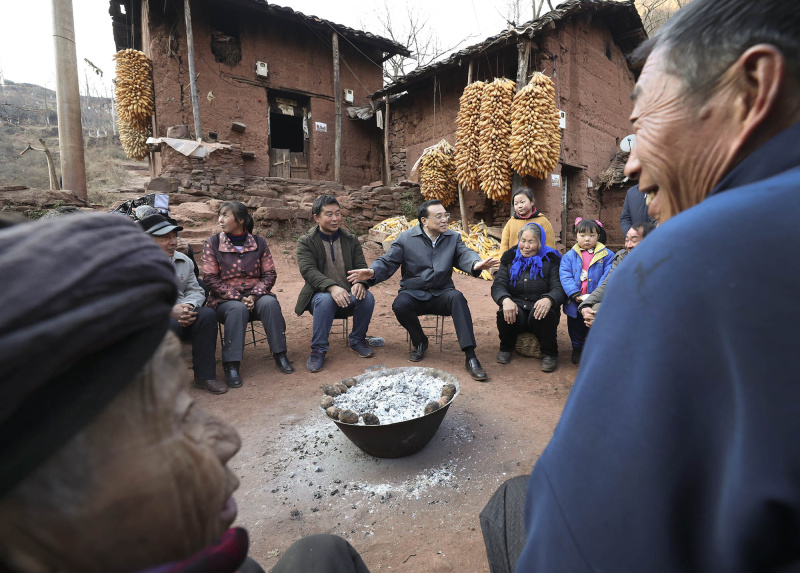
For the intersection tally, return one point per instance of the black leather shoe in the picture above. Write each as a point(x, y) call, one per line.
point(419, 351)
point(283, 363)
point(232, 378)
point(475, 370)
point(214, 386)
point(504, 357)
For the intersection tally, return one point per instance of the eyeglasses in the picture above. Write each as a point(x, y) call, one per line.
point(441, 217)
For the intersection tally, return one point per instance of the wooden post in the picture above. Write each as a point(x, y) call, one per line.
point(198, 128)
point(337, 93)
point(387, 178)
point(461, 205)
point(68, 100)
point(523, 51)
point(51, 166)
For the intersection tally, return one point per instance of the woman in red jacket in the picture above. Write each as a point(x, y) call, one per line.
point(239, 272)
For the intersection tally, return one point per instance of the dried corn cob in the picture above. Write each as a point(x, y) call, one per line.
point(439, 174)
point(134, 100)
point(468, 149)
point(494, 167)
point(535, 134)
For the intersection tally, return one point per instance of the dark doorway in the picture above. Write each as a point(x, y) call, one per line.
point(286, 132)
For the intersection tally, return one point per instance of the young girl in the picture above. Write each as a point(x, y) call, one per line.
point(583, 269)
point(525, 212)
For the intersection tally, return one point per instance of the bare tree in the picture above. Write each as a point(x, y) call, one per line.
point(414, 33)
point(655, 13)
point(537, 11)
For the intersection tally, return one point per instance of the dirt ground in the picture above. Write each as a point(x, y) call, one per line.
point(300, 475)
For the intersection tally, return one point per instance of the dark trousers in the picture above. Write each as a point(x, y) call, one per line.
point(451, 302)
point(234, 315)
point(578, 331)
point(324, 309)
point(503, 525)
point(202, 333)
point(545, 330)
point(321, 553)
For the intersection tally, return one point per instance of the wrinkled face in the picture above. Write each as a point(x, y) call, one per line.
point(528, 244)
point(587, 240)
point(522, 205)
point(329, 218)
point(682, 148)
point(229, 224)
point(632, 238)
point(157, 487)
point(168, 242)
point(436, 221)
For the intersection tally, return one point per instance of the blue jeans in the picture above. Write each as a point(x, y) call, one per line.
point(324, 309)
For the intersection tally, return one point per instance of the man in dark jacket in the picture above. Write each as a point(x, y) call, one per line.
point(634, 210)
point(427, 254)
point(682, 456)
point(325, 255)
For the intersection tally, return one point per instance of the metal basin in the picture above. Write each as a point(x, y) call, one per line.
point(401, 438)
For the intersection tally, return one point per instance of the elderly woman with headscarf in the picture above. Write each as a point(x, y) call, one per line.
point(528, 291)
point(106, 464)
point(239, 271)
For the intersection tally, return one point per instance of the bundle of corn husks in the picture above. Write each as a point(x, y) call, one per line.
point(134, 101)
point(468, 149)
point(535, 135)
point(494, 167)
point(439, 173)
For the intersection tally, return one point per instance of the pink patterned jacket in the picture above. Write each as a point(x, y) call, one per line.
point(231, 275)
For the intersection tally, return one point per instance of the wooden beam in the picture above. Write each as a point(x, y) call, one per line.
point(387, 176)
point(198, 128)
point(337, 95)
point(523, 55)
point(461, 204)
point(267, 85)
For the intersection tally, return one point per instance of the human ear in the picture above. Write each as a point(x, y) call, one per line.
point(761, 72)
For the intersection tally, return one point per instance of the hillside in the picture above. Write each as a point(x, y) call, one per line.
point(27, 113)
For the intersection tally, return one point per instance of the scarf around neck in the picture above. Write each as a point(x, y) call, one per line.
point(330, 239)
point(534, 262)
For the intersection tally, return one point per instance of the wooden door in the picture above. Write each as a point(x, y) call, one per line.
point(279, 163)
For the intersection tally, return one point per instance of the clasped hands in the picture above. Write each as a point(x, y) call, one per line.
point(184, 313)
point(540, 309)
point(342, 298)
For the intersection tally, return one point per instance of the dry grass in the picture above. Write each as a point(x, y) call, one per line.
point(104, 160)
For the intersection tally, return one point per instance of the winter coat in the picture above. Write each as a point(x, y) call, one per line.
point(311, 259)
point(189, 290)
point(425, 271)
point(515, 224)
point(596, 297)
point(634, 210)
point(570, 273)
point(232, 275)
point(677, 447)
point(527, 290)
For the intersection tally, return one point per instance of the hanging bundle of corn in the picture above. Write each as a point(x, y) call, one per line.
point(438, 170)
point(494, 167)
point(134, 101)
point(535, 135)
point(468, 150)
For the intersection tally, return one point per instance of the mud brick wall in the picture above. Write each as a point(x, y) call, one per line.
point(593, 86)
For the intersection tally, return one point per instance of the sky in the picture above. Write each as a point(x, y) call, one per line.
point(26, 35)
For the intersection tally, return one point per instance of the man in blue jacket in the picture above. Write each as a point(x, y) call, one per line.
point(682, 454)
point(427, 254)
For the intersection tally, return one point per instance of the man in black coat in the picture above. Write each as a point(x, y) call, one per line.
point(634, 210)
point(426, 255)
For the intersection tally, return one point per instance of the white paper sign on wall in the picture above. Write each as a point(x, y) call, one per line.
point(562, 119)
point(319, 126)
point(555, 180)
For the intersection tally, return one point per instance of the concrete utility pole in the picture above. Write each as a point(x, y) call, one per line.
point(68, 100)
point(337, 98)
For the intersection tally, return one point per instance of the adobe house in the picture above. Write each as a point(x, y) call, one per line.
point(266, 85)
point(582, 46)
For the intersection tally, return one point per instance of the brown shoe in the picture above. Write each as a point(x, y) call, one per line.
point(214, 386)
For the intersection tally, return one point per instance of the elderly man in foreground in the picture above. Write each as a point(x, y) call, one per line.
point(683, 456)
point(106, 463)
point(427, 254)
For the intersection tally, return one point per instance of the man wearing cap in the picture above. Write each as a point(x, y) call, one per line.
point(189, 319)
